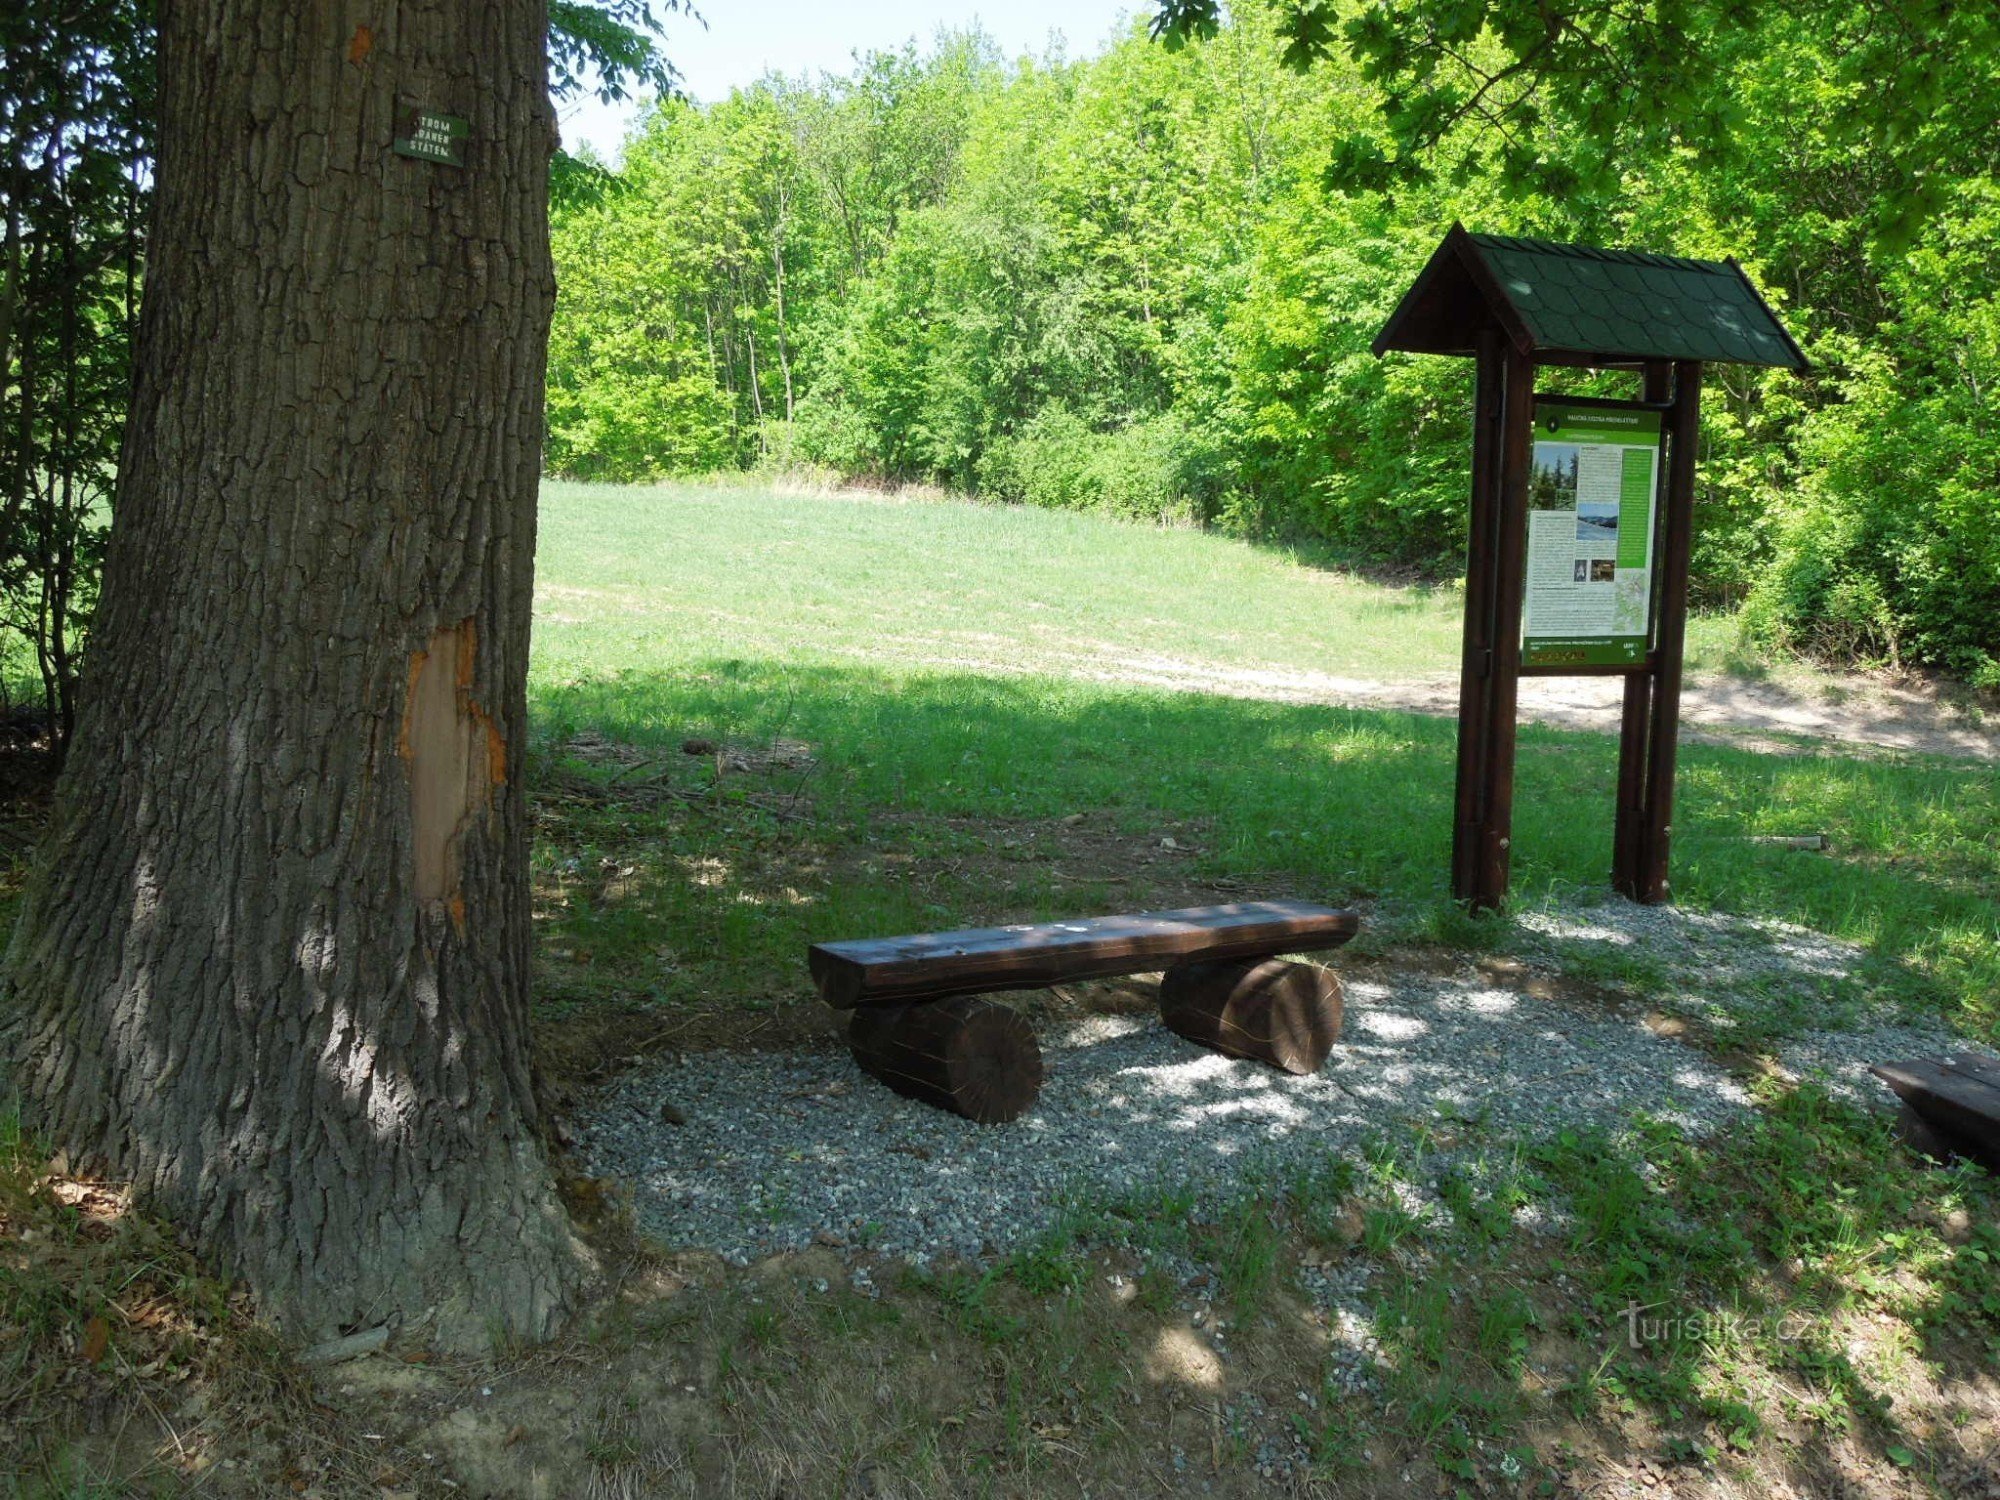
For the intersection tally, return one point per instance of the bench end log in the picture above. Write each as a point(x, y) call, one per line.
point(966, 1054)
point(1270, 1010)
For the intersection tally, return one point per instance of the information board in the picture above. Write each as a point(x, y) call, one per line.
point(1592, 488)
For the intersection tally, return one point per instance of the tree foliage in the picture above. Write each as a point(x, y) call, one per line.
point(1146, 282)
point(76, 140)
point(75, 118)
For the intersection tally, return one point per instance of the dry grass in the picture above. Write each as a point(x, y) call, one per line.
point(1144, 1351)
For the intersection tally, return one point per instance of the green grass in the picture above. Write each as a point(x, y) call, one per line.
point(934, 787)
point(644, 577)
point(1798, 1266)
point(754, 574)
point(1797, 1270)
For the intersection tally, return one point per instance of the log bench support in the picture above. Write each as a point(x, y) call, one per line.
point(920, 1023)
point(966, 1054)
point(1268, 1010)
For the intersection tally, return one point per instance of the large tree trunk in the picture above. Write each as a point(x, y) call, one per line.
point(275, 967)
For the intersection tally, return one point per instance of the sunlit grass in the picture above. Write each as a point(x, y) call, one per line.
point(748, 618)
point(633, 576)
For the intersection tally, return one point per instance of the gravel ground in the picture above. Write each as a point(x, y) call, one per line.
point(1737, 976)
point(1838, 1060)
point(1719, 952)
point(752, 1153)
point(1729, 970)
point(778, 1149)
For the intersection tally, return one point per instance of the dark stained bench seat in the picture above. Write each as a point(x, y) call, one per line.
point(1955, 1101)
point(1033, 956)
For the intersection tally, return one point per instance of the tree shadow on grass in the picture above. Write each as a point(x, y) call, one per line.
point(907, 787)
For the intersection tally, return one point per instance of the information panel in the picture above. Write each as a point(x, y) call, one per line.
point(1592, 489)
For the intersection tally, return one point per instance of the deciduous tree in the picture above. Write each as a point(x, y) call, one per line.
point(273, 969)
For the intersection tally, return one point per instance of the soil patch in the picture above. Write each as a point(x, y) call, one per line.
point(1777, 715)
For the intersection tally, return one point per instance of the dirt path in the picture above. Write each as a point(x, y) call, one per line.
point(1770, 714)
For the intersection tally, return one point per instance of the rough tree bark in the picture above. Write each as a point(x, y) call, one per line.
point(274, 968)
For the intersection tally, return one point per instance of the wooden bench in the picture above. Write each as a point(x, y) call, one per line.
point(922, 1026)
point(1951, 1105)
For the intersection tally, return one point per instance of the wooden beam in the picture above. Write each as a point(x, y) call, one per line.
point(1585, 359)
point(1475, 671)
point(1510, 567)
point(1646, 402)
point(929, 966)
point(1628, 835)
point(1587, 669)
point(1670, 635)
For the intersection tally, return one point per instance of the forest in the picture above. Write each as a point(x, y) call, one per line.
point(1144, 283)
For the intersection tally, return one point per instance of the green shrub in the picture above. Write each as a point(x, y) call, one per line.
point(1046, 463)
point(1891, 550)
point(1155, 470)
point(642, 425)
point(1152, 469)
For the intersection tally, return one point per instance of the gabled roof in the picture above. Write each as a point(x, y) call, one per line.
point(1573, 302)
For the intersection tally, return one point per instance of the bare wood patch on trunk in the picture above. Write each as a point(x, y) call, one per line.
point(456, 757)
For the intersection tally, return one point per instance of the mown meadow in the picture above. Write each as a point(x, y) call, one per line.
point(943, 676)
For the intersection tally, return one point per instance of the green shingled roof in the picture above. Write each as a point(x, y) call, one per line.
point(1576, 301)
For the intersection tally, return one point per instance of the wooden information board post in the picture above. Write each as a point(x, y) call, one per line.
point(1582, 509)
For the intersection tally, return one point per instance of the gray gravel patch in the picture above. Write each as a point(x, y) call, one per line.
point(1341, 1293)
point(780, 1149)
point(1739, 976)
point(1716, 947)
point(1838, 1060)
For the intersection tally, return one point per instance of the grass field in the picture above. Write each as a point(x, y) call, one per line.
point(636, 577)
point(918, 693)
point(916, 715)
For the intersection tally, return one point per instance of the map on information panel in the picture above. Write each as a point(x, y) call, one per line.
point(1591, 492)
